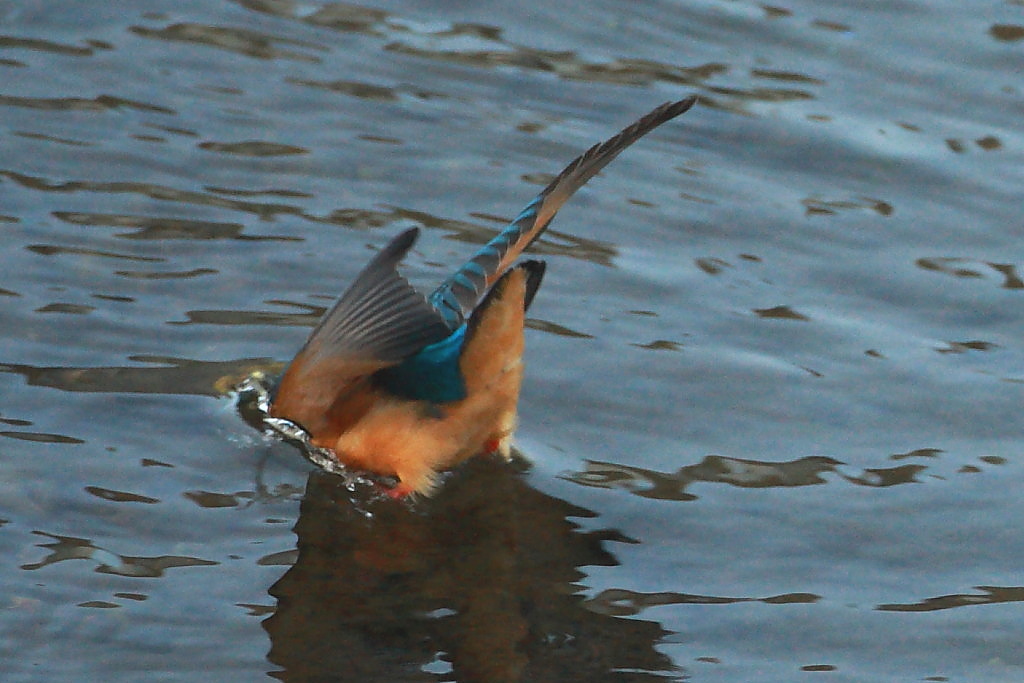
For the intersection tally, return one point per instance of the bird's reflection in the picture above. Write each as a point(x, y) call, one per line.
point(476, 584)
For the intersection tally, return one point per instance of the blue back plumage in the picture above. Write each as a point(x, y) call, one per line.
point(432, 374)
point(417, 341)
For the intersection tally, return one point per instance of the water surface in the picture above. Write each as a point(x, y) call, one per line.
point(770, 428)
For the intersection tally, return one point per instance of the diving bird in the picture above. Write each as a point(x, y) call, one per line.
point(402, 385)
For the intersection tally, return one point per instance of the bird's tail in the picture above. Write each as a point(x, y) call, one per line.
point(461, 292)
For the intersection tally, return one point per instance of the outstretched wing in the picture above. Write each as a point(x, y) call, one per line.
point(379, 321)
point(380, 316)
point(459, 294)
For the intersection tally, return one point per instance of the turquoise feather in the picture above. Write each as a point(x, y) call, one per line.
point(432, 374)
point(417, 342)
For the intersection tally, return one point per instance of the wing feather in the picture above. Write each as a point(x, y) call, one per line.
point(460, 293)
point(379, 321)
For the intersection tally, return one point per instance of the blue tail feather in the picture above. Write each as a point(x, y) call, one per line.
point(457, 295)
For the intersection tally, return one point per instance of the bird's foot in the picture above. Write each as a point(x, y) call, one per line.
point(399, 491)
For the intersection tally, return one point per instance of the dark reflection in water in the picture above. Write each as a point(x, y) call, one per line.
point(1007, 32)
point(41, 437)
point(100, 103)
point(990, 595)
point(177, 376)
point(481, 582)
point(250, 43)
point(265, 211)
point(713, 468)
point(619, 602)
point(970, 268)
point(486, 47)
point(740, 472)
point(65, 548)
point(150, 228)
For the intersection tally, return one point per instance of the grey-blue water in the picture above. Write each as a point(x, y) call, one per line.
point(770, 429)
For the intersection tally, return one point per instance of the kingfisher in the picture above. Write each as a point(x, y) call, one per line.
point(402, 385)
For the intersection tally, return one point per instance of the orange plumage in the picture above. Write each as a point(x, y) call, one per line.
point(414, 439)
point(396, 384)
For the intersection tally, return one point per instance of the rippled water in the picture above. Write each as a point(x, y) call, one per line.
point(770, 427)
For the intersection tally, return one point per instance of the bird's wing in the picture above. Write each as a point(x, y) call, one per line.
point(380, 316)
point(436, 373)
point(379, 321)
point(459, 294)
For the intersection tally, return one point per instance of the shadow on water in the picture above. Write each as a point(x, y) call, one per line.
point(480, 583)
point(486, 581)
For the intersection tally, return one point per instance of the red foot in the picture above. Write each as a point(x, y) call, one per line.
point(399, 491)
point(491, 446)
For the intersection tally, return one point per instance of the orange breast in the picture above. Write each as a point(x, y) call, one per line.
point(414, 439)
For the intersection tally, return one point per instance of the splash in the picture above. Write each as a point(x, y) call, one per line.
point(253, 398)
